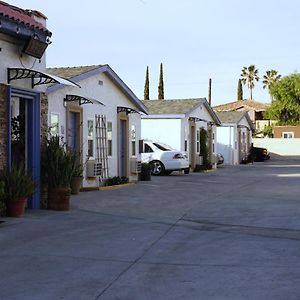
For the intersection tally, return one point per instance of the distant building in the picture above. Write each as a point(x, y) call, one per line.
point(234, 136)
point(255, 110)
point(286, 132)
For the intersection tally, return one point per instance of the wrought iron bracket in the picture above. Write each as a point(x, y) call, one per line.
point(37, 78)
point(81, 100)
point(195, 119)
point(127, 110)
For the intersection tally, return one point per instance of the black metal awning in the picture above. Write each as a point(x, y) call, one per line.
point(37, 77)
point(81, 100)
point(195, 119)
point(127, 110)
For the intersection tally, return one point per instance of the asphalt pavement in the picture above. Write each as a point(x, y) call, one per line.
point(233, 233)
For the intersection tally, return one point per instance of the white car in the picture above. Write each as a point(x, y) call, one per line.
point(164, 159)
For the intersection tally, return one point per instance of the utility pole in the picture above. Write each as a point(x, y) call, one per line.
point(209, 91)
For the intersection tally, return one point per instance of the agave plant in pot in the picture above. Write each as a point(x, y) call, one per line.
point(18, 186)
point(59, 174)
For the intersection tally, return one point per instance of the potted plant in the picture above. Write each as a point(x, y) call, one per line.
point(2, 199)
point(59, 174)
point(18, 186)
point(77, 176)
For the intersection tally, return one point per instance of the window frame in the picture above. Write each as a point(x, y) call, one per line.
point(292, 133)
point(90, 139)
point(133, 140)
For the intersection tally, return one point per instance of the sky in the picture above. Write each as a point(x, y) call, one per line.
point(194, 39)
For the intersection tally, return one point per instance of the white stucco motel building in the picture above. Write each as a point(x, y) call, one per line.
point(234, 136)
point(73, 115)
point(177, 123)
point(24, 38)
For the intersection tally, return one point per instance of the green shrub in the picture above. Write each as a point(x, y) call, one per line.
point(117, 180)
point(268, 131)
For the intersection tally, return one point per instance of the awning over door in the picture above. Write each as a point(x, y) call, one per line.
point(195, 119)
point(37, 77)
point(81, 100)
point(127, 110)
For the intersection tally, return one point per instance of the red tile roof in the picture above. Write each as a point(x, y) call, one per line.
point(22, 16)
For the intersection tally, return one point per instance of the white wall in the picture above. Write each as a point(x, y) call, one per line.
point(10, 58)
point(167, 131)
point(284, 147)
point(111, 96)
point(226, 144)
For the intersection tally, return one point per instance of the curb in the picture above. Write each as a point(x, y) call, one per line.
point(104, 188)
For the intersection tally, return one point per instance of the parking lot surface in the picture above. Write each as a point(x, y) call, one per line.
point(233, 233)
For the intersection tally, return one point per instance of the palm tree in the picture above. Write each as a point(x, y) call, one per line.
point(249, 76)
point(270, 77)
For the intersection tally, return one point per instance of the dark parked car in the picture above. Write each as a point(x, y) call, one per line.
point(220, 159)
point(260, 154)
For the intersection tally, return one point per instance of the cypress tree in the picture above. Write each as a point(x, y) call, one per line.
point(240, 90)
point(146, 88)
point(161, 95)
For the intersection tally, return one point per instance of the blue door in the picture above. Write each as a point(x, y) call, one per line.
point(73, 126)
point(32, 145)
point(123, 148)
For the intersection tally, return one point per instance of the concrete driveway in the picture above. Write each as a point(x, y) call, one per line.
point(229, 234)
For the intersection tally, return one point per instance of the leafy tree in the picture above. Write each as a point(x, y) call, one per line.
point(249, 75)
point(146, 88)
point(285, 107)
point(240, 90)
point(161, 84)
point(268, 131)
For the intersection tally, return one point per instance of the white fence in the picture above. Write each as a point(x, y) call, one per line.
point(282, 147)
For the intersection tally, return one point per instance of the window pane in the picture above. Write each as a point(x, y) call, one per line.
point(133, 132)
point(109, 130)
point(148, 149)
point(90, 137)
point(109, 147)
point(90, 148)
point(90, 129)
point(133, 148)
point(54, 124)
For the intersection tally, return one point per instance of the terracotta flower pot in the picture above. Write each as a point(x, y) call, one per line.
point(59, 198)
point(16, 209)
point(76, 185)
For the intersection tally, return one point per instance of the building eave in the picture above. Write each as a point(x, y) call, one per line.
point(113, 76)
